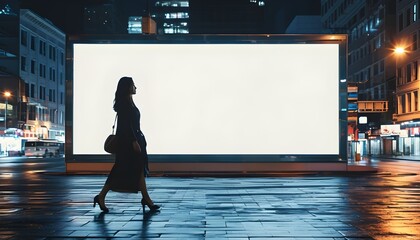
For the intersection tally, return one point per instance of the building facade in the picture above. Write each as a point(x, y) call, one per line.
point(306, 24)
point(408, 84)
point(42, 70)
point(9, 67)
point(111, 17)
point(371, 26)
point(171, 16)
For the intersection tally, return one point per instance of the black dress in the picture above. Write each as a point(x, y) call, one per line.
point(125, 174)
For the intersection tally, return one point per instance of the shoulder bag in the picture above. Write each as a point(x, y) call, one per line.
point(111, 142)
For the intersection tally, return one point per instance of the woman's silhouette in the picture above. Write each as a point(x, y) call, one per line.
point(131, 162)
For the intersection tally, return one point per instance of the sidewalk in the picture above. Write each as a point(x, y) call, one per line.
point(394, 157)
point(59, 206)
point(366, 160)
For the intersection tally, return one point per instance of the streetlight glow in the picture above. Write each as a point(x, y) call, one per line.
point(7, 94)
point(399, 50)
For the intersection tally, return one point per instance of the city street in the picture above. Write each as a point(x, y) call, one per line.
point(39, 201)
point(233, 97)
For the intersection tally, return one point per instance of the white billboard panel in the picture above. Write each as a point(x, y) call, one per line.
point(212, 98)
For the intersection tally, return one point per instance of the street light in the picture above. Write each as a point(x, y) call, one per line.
point(400, 53)
point(6, 95)
point(399, 50)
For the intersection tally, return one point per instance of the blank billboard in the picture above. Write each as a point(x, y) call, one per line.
point(212, 98)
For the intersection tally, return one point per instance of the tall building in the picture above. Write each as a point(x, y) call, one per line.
point(408, 84)
point(11, 86)
point(171, 16)
point(371, 66)
point(35, 64)
point(111, 17)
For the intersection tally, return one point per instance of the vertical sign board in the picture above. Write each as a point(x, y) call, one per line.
point(237, 98)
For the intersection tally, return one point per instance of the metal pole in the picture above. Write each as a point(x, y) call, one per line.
point(5, 117)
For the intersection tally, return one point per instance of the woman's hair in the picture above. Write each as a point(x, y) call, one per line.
point(123, 93)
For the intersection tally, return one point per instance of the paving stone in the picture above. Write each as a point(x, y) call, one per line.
point(384, 205)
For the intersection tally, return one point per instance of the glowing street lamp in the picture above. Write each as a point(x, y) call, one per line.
point(6, 95)
point(399, 50)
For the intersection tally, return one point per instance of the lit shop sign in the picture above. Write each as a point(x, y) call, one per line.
point(388, 130)
point(363, 120)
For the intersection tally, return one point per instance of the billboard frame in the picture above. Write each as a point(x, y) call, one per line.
point(339, 39)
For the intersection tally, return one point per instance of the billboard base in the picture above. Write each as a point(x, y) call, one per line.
point(220, 169)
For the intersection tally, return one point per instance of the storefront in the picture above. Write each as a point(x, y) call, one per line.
point(410, 142)
point(396, 140)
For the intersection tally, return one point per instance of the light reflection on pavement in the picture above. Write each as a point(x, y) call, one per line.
point(37, 200)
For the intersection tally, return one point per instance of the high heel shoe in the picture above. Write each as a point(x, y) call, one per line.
point(96, 200)
point(153, 207)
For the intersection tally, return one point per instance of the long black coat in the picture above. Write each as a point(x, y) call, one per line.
point(125, 174)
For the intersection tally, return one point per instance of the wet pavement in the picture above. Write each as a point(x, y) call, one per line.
point(39, 201)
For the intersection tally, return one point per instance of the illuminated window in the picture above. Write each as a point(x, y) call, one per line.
point(176, 15)
point(172, 4)
point(415, 12)
point(134, 25)
point(170, 28)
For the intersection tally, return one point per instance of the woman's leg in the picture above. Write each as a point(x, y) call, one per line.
point(102, 194)
point(143, 189)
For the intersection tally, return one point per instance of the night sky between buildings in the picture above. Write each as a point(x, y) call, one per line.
point(68, 14)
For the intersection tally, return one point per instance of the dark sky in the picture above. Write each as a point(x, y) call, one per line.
point(67, 14)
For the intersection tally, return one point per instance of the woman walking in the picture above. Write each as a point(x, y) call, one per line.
point(131, 161)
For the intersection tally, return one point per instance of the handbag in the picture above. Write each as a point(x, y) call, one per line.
point(111, 142)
